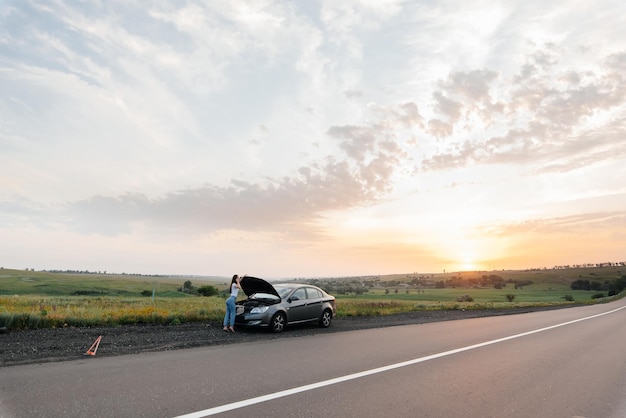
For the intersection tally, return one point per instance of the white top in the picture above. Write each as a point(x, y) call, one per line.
point(234, 290)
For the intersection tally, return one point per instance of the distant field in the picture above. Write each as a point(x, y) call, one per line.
point(416, 291)
point(30, 299)
point(555, 278)
point(21, 282)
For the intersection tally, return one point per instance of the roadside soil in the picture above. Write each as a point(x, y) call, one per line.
point(62, 344)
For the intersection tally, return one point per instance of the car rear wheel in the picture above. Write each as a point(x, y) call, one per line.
point(278, 322)
point(326, 319)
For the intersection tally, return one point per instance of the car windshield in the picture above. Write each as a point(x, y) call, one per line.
point(263, 296)
point(283, 291)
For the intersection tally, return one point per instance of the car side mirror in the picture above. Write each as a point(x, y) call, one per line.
point(291, 299)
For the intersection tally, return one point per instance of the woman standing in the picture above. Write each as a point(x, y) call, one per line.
point(229, 318)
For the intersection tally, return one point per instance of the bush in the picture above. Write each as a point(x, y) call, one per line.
point(569, 298)
point(208, 291)
point(465, 298)
point(510, 297)
point(597, 296)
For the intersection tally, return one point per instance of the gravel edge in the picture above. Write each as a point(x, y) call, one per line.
point(65, 344)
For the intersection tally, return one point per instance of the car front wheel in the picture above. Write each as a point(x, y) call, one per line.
point(326, 319)
point(278, 322)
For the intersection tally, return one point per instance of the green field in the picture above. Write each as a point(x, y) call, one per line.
point(30, 299)
point(21, 282)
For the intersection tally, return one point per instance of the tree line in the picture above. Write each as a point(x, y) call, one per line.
point(613, 287)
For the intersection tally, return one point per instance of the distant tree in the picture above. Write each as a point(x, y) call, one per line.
point(208, 290)
point(617, 286)
point(359, 290)
point(595, 285)
point(581, 285)
point(519, 284)
point(187, 287)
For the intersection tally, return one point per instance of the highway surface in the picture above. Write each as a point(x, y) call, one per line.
point(561, 363)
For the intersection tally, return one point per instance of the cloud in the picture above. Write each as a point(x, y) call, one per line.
point(571, 225)
point(439, 129)
point(617, 62)
point(17, 210)
point(246, 206)
point(354, 15)
point(371, 157)
point(444, 106)
point(556, 126)
point(472, 86)
point(295, 202)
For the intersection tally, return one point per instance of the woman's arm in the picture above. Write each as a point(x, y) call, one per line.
point(238, 280)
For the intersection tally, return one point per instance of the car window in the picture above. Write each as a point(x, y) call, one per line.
point(300, 294)
point(313, 293)
point(283, 291)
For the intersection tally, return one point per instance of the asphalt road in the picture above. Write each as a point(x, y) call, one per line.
point(563, 363)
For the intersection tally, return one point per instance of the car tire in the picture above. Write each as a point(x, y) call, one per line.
point(326, 318)
point(278, 322)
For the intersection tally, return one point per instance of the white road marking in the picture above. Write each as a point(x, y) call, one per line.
point(299, 389)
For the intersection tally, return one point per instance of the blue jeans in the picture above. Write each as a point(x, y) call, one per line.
point(229, 318)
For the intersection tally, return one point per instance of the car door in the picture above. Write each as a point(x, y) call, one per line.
point(314, 303)
point(297, 306)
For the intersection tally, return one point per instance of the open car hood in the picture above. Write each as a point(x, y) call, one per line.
point(251, 285)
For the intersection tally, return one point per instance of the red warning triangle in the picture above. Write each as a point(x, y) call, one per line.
point(94, 347)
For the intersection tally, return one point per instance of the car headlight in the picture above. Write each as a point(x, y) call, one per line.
point(259, 309)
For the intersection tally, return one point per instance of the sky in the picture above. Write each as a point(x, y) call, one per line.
point(311, 138)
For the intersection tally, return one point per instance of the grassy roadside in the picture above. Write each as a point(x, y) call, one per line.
point(32, 300)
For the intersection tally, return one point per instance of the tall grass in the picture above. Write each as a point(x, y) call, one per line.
point(347, 307)
point(33, 312)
